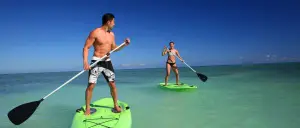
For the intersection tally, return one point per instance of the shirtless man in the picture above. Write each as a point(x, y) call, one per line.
point(171, 62)
point(103, 41)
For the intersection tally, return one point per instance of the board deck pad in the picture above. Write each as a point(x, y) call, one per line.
point(102, 115)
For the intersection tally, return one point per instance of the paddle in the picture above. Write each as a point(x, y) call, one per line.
point(21, 113)
point(200, 76)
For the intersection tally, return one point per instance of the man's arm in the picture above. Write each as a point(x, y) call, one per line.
point(177, 53)
point(114, 45)
point(88, 43)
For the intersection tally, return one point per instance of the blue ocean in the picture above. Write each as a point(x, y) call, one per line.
point(236, 96)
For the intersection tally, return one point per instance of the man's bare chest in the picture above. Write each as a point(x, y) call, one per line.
point(104, 40)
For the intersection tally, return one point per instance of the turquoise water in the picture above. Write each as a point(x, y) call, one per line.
point(249, 96)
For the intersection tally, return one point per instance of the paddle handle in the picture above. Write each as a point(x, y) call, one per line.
point(81, 72)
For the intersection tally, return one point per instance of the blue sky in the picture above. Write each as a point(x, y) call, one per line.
point(49, 36)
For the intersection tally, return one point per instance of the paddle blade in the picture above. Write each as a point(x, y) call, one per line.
point(21, 113)
point(202, 77)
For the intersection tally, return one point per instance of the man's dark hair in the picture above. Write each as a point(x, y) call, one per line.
point(107, 17)
point(171, 42)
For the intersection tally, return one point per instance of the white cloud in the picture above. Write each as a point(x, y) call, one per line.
point(125, 65)
point(132, 65)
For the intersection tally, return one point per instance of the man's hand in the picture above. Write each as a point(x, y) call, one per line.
point(127, 41)
point(86, 66)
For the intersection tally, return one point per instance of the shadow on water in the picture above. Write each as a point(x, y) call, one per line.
point(148, 89)
point(58, 116)
point(158, 90)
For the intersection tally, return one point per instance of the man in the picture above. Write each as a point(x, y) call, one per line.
point(171, 62)
point(103, 41)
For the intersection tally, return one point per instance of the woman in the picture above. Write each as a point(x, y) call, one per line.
point(171, 62)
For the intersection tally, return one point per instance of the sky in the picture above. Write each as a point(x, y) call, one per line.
point(42, 36)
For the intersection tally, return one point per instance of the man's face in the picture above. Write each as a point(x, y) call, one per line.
point(111, 24)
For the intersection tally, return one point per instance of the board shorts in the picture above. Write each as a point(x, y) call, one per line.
point(105, 67)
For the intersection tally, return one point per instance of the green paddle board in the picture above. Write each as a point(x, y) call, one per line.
point(102, 115)
point(180, 87)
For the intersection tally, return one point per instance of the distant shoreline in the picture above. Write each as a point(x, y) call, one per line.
point(245, 64)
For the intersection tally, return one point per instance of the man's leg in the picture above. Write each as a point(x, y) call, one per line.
point(92, 79)
point(168, 69)
point(109, 75)
point(88, 97)
point(114, 94)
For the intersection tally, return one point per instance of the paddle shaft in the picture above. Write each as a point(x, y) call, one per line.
point(80, 73)
point(201, 76)
point(189, 66)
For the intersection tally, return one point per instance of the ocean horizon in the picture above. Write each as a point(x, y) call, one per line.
point(163, 67)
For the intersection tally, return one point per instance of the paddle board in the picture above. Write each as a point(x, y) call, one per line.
point(181, 87)
point(102, 116)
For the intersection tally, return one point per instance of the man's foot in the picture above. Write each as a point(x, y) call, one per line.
point(117, 109)
point(87, 111)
